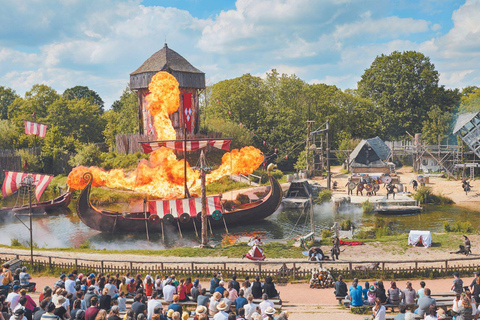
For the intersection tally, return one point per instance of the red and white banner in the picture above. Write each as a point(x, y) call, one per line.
point(191, 145)
point(187, 111)
point(35, 128)
point(192, 206)
point(13, 181)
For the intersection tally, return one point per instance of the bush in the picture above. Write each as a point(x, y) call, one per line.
point(379, 223)
point(425, 195)
point(346, 224)
point(326, 234)
point(323, 196)
point(361, 310)
point(461, 227)
point(14, 242)
point(364, 233)
point(115, 160)
point(88, 155)
point(85, 245)
point(382, 232)
point(367, 207)
point(277, 174)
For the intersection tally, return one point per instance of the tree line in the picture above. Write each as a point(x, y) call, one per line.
point(399, 92)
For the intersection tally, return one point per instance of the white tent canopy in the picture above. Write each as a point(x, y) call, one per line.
point(417, 236)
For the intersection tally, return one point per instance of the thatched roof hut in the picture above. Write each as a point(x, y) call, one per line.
point(370, 156)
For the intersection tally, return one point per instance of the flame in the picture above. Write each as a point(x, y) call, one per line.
point(162, 176)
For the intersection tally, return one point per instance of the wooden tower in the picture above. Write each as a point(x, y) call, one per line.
point(190, 80)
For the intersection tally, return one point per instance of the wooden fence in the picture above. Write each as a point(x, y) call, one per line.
point(190, 267)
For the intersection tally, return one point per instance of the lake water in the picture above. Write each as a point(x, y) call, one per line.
point(66, 230)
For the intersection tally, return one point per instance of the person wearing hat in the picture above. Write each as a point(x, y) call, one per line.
point(221, 314)
point(170, 314)
point(70, 284)
point(13, 297)
point(19, 314)
point(200, 310)
point(457, 285)
point(371, 295)
point(269, 312)
point(60, 310)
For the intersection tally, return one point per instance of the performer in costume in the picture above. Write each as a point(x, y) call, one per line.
point(315, 254)
point(256, 252)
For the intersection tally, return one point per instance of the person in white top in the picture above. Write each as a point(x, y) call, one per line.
point(19, 314)
point(13, 297)
point(265, 304)
point(152, 303)
point(250, 307)
point(112, 289)
point(168, 291)
point(378, 310)
point(221, 314)
point(158, 284)
point(70, 284)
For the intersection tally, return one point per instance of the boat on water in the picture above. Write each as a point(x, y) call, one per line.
point(182, 213)
point(40, 208)
point(298, 194)
point(397, 210)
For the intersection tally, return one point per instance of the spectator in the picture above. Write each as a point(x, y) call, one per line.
point(200, 310)
point(356, 294)
point(70, 284)
point(7, 277)
point(101, 315)
point(269, 312)
point(159, 285)
point(49, 315)
point(394, 294)
point(13, 297)
point(214, 301)
point(112, 289)
point(378, 310)
point(465, 310)
point(214, 283)
point(235, 283)
point(380, 292)
point(188, 286)
point(148, 286)
point(240, 302)
point(132, 288)
point(457, 285)
point(250, 307)
point(92, 311)
point(474, 281)
point(257, 288)
point(425, 302)
point(468, 294)
point(420, 292)
point(457, 302)
point(182, 291)
point(60, 309)
point(138, 306)
point(401, 315)
point(154, 302)
point(129, 315)
point(195, 291)
point(202, 299)
point(123, 287)
point(227, 300)
point(174, 305)
point(265, 304)
point(340, 288)
point(21, 305)
point(40, 312)
point(122, 302)
point(232, 293)
point(61, 282)
point(476, 290)
point(221, 287)
point(241, 314)
point(77, 305)
point(19, 314)
point(44, 292)
point(114, 314)
point(105, 300)
point(409, 294)
point(246, 288)
point(269, 288)
point(221, 314)
point(168, 291)
point(31, 305)
point(365, 291)
point(25, 280)
point(371, 295)
point(88, 296)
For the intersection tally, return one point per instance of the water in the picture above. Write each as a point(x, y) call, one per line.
point(65, 229)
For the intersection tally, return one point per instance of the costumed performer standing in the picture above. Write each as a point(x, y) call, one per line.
point(256, 252)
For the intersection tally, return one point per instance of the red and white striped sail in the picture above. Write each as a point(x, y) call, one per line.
point(13, 181)
point(192, 206)
point(223, 144)
point(37, 129)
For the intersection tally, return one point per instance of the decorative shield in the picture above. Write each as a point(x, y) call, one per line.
point(184, 217)
point(351, 185)
point(369, 187)
point(360, 187)
point(216, 215)
point(154, 218)
point(386, 179)
point(376, 187)
point(168, 218)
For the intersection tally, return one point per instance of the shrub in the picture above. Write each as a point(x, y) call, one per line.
point(277, 174)
point(379, 223)
point(346, 224)
point(446, 226)
point(425, 195)
point(367, 207)
point(323, 196)
point(14, 242)
point(361, 310)
point(364, 233)
point(326, 234)
point(115, 160)
point(88, 155)
point(462, 227)
point(85, 245)
point(382, 232)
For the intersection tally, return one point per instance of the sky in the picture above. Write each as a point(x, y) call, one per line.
point(98, 43)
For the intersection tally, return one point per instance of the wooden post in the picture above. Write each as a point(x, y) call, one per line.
point(203, 190)
point(131, 266)
point(259, 269)
point(446, 266)
point(101, 266)
point(192, 267)
point(76, 263)
point(294, 271)
point(383, 266)
point(50, 262)
point(350, 266)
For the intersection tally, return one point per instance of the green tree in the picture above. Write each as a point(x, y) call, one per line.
point(8, 134)
point(403, 87)
point(240, 136)
point(83, 92)
point(437, 125)
point(470, 100)
point(87, 155)
point(7, 96)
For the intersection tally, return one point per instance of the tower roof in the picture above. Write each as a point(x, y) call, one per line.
point(166, 60)
point(462, 120)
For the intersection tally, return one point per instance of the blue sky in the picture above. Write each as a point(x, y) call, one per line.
point(98, 43)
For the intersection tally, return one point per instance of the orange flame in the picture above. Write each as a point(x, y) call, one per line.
point(163, 175)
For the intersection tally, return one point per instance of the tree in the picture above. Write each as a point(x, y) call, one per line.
point(438, 125)
point(83, 92)
point(8, 134)
point(470, 100)
point(403, 87)
point(240, 136)
point(7, 96)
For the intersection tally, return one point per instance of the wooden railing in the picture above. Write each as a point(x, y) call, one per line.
point(402, 269)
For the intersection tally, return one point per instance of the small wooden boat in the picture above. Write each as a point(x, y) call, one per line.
point(39, 208)
point(298, 194)
point(138, 222)
point(397, 210)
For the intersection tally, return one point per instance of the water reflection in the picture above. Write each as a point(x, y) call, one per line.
point(65, 229)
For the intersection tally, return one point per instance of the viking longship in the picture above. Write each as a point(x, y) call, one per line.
point(182, 213)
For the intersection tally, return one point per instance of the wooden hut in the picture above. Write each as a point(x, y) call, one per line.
point(370, 156)
point(190, 80)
